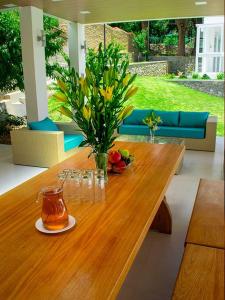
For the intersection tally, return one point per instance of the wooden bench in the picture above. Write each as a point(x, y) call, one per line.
point(207, 221)
point(201, 275)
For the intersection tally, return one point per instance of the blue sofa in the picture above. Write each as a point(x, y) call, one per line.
point(190, 126)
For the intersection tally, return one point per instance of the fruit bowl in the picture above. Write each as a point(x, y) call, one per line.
point(119, 161)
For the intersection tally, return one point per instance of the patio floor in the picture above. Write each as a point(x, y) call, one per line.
point(154, 271)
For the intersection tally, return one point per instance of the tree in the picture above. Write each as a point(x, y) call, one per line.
point(140, 42)
point(11, 70)
point(182, 27)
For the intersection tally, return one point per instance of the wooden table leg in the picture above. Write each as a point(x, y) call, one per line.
point(163, 219)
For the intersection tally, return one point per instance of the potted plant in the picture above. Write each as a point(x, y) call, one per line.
point(152, 121)
point(97, 102)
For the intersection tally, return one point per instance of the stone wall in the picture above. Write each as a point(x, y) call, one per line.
point(159, 68)
point(94, 34)
point(177, 64)
point(212, 87)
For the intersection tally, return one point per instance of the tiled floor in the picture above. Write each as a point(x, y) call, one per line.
point(154, 271)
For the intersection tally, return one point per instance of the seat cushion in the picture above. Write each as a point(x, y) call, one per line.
point(169, 118)
point(137, 116)
point(193, 119)
point(180, 132)
point(44, 125)
point(72, 141)
point(134, 129)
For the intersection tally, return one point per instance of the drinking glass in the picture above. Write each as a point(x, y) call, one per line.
point(99, 189)
point(87, 186)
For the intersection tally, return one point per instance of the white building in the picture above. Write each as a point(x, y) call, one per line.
point(210, 46)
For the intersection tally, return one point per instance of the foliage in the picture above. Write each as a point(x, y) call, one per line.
point(171, 39)
point(140, 42)
point(169, 76)
point(134, 27)
point(220, 76)
point(152, 121)
point(195, 76)
point(97, 102)
point(11, 71)
point(181, 75)
point(205, 77)
point(8, 122)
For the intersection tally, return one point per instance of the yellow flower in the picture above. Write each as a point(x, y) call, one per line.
point(62, 85)
point(126, 80)
point(81, 81)
point(132, 90)
point(59, 96)
point(87, 112)
point(125, 112)
point(108, 93)
point(66, 112)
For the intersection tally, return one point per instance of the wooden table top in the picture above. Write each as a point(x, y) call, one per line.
point(201, 275)
point(207, 221)
point(92, 260)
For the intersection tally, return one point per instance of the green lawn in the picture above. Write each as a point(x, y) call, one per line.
point(161, 94)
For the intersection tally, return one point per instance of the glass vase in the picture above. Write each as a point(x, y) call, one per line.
point(101, 160)
point(152, 135)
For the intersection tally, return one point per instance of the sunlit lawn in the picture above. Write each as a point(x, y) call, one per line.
point(157, 93)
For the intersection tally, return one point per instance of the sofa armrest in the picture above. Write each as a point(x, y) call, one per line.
point(68, 127)
point(210, 132)
point(212, 119)
point(37, 148)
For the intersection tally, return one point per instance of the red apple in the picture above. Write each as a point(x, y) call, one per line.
point(119, 167)
point(114, 157)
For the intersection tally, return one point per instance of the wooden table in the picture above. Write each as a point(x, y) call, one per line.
point(207, 221)
point(92, 260)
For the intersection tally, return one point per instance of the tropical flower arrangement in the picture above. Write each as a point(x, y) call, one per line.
point(152, 121)
point(97, 101)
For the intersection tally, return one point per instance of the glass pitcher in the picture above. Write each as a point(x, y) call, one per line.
point(54, 212)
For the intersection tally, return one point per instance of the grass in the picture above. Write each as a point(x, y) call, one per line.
point(158, 93)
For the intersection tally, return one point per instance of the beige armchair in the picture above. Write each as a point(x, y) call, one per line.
point(41, 148)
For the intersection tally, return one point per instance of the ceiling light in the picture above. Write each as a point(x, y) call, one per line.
point(200, 2)
point(56, 0)
point(9, 5)
point(85, 12)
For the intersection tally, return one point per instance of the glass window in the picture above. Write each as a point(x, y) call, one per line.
point(199, 64)
point(201, 41)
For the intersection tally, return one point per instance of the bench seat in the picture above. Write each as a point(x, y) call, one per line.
point(201, 274)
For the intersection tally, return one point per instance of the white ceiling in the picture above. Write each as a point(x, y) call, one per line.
point(123, 10)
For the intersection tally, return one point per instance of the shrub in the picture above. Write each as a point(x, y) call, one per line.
point(171, 39)
point(9, 122)
point(169, 76)
point(181, 75)
point(205, 77)
point(220, 76)
point(195, 76)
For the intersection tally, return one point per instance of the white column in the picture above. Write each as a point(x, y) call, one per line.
point(76, 42)
point(33, 53)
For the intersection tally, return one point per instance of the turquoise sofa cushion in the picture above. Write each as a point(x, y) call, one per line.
point(134, 129)
point(72, 141)
point(137, 116)
point(180, 132)
point(44, 125)
point(193, 119)
point(169, 118)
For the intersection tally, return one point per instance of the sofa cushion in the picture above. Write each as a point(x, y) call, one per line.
point(134, 129)
point(180, 132)
point(137, 116)
point(44, 125)
point(169, 118)
point(193, 119)
point(72, 140)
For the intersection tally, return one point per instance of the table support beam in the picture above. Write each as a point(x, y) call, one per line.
point(163, 219)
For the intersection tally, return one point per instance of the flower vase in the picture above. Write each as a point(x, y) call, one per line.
point(152, 135)
point(101, 160)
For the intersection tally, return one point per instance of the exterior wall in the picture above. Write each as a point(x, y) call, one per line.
point(212, 87)
point(149, 68)
point(177, 64)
